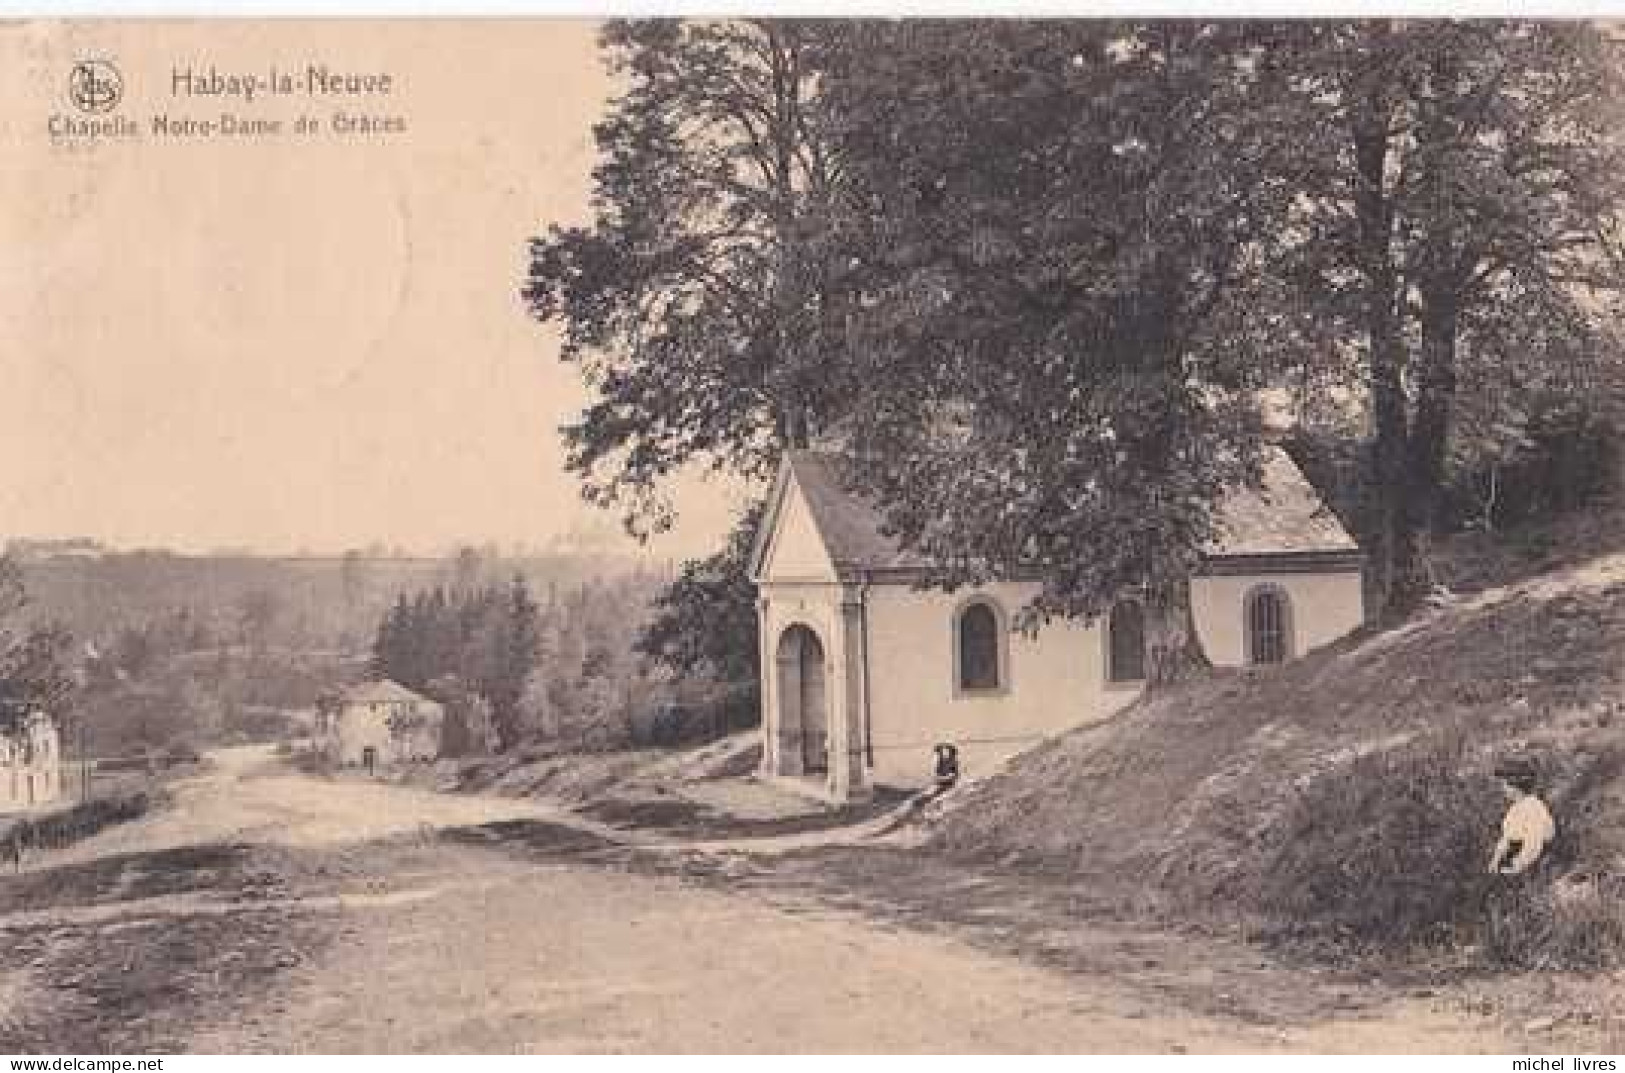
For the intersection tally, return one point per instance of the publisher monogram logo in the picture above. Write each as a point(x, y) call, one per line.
point(95, 86)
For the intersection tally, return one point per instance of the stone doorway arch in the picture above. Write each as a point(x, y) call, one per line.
point(803, 706)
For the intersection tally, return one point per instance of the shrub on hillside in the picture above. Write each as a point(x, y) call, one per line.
point(1573, 923)
point(80, 821)
point(1572, 914)
point(1388, 850)
point(1391, 851)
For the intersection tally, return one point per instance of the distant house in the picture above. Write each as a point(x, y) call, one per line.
point(864, 670)
point(30, 765)
point(380, 724)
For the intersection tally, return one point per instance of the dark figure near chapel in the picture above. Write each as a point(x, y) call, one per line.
point(13, 846)
point(947, 767)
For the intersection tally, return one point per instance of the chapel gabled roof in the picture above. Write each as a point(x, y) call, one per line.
point(1283, 515)
point(383, 691)
point(1281, 519)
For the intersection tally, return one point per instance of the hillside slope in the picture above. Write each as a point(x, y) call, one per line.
point(1347, 794)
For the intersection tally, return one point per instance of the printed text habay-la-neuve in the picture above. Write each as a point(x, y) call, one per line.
point(308, 80)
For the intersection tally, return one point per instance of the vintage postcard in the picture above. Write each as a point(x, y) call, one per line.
point(752, 535)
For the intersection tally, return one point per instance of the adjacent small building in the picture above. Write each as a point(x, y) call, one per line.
point(381, 724)
point(865, 667)
point(31, 765)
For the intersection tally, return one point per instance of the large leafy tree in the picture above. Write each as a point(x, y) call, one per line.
point(34, 673)
point(1034, 274)
point(1065, 230)
point(704, 302)
point(699, 301)
point(1460, 194)
point(704, 623)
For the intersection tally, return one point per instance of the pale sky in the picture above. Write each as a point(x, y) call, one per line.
point(301, 341)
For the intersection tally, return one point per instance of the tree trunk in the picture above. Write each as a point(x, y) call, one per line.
point(1397, 557)
point(1430, 430)
point(1173, 651)
point(1422, 480)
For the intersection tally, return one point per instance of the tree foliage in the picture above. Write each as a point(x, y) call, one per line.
point(487, 639)
point(697, 301)
point(34, 671)
point(1458, 219)
point(704, 623)
point(1032, 277)
point(1068, 226)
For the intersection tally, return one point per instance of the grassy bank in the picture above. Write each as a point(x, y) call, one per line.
point(1346, 800)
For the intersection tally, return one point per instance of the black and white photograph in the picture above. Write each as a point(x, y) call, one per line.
point(729, 535)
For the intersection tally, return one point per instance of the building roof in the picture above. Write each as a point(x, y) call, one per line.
point(849, 524)
point(383, 691)
point(1282, 517)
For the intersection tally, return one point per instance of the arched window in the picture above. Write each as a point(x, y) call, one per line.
point(979, 648)
point(1269, 626)
point(1125, 643)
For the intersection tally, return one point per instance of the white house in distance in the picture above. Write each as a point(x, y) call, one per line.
point(379, 724)
point(864, 672)
point(30, 765)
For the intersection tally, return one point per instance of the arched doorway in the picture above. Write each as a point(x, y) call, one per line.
point(803, 716)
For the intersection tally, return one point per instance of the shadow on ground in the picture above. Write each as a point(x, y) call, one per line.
point(534, 837)
point(681, 817)
point(139, 981)
point(1057, 924)
point(122, 877)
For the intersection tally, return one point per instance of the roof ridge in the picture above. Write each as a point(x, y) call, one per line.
point(1281, 515)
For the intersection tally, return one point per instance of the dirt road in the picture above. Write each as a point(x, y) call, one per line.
point(246, 795)
point(405, 921)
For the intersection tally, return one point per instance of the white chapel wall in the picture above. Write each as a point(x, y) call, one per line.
point(1323, 607)
point(1052, 682)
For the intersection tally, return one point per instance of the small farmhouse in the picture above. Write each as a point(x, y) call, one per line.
point(30, 764)
point(379, 724)
point(864, 671)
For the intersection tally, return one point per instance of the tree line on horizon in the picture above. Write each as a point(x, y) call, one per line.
point(149, 654)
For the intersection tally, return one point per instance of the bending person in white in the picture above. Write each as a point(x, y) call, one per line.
point(1528, 827)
